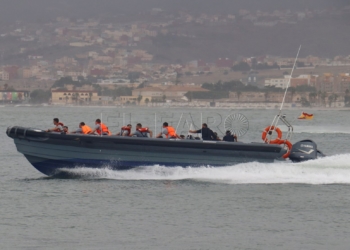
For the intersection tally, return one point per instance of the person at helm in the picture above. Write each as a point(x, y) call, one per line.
point(207, 133)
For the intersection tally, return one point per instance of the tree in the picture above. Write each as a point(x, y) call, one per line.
point(304, 102)
point(163, 69)
point(11, 88)
point(335, 97)
point(312, 97)
point(292, 92)
point(266, 95)
point(330, 100)
point(190, 96)
point(66, 98)
point(300, 64)
point(133, 76)
point(139, 98)
point(177, 79)
point(238, 94)
point(323, 98)
point(241, 66)
point(40, 96)
point(207, 94)
point(305, 88)
point(147, 101)
point(319, 93)
point(164, 98)
point(20, 96)
point(81, 78)
point(90, 97)
point(75, 97)
point(347, 98)
point(141, 85)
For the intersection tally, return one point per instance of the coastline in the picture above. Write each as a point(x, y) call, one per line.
point(236, 106)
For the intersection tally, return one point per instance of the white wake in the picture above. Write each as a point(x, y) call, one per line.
point(329, 170)
point(318, 129)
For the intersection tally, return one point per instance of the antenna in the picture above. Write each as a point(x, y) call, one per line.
point(282, 118)
point(290, 78)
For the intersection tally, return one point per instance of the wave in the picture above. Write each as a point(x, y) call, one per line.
point(329, 170)
point(317, 130)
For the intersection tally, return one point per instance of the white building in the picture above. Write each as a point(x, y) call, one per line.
point(277, 82)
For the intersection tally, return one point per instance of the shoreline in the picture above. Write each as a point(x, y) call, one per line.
point(236, 107)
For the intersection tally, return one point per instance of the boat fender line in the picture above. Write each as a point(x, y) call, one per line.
point(267, 130)
point(289, 145)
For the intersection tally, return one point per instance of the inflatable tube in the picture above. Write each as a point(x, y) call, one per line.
point(272, 128)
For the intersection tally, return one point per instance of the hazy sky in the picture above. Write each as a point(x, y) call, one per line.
point(45, 9)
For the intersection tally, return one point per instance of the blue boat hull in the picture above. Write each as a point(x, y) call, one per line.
point(54, 167)
point(50, 153)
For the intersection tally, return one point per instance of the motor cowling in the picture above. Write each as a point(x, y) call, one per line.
point(304, 150)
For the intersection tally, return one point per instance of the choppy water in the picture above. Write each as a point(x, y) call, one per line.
point(247, 206)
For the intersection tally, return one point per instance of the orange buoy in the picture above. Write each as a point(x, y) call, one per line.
point(272, 128)
point(289, 145)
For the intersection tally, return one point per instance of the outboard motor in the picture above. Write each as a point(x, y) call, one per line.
point(304, 150)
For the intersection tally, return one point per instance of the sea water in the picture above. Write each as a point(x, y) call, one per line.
point(254, 205)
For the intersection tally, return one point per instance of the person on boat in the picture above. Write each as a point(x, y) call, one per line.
point(58, 126)
point(168, 131)
point(100, 128)
point(207, 133)
point(142, 132)
point(217, 137)
point(83, 129)
point(65, 130)
point(125, 131)
point(229, 137)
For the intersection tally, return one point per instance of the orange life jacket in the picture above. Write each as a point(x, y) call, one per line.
point(171, 132)
point(86, 129)
point(57, 129)
point(143, 131)
point(126, 128)
point(104, 129)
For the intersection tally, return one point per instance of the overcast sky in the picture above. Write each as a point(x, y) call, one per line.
point(37, 10)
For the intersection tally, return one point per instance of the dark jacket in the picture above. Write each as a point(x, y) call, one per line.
point(228, 138)
point(207, 134)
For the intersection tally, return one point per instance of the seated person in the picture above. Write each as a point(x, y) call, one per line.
point(217, 137)
point(125, 131)
point(83, 129)
point(229, 137)
point(168, 131)
point(58, 126)
point(207, 133)
point(65, 130)
point(100, 128)
point(142, 132)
